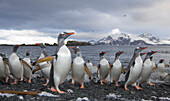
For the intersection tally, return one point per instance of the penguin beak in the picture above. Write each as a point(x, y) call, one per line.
point(74, 51)
point(37, 43)
point(70, 33)
point(144, 47)
point(154, 51)
point(18, 45)
point(143, 53)
point(104, 52)
point(73, 47)
point(122, 52)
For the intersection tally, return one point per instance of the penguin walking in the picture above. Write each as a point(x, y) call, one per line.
point(103, 68)
point(16, 65)
point(134, 68)
point(4, 67)
point(147, 69)
point(45, 67)
point(78, 67)
point(116, 68)
point(27, 68)
point(61, 63)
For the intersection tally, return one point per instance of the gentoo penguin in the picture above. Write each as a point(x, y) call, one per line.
point(103, 68)
point(27, 70)
point(134, 68)
point(91, 66)
point(15, 65)
point(161, 70)
point(4, 68)
point(78, 67)
point(61, 63)
point(147, 69)
point(45, 67)
point(116, 68)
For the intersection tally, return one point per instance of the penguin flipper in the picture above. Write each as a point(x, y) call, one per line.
point(87, 70)
point(123, 70)
point(36, 69)
point(26, 64)
point(127, 75)
point(49, 58)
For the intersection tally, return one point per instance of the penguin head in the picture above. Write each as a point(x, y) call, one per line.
point(63, 36)
point(139, 49)
point(119, 53)
point(76, 49)
point(88, 60)
point(141, 54)
point(41, 45)
point(2, 55)
point(102, 53)
point(27, 53)
point(15, 48)
point(151, 58)
point(161, 61)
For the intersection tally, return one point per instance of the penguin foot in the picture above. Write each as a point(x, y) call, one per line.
point(53, 89)
point(72, 83)
point(29, 81)
point(137, 87)
point(82, 86)
point(7, 80)
point(59, 91)
point(14, 83)
point(126, 88)
point(117, 84)
point(45, 84)
point(105, 81)
point(151, 84)
point(101, 83)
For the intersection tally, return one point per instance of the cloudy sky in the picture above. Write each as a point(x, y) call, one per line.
point(31, 21)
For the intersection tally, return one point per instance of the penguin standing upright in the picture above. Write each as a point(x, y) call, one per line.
point(15, 65)
point(103, 68)
point(78, 67)
point(4, 68)
point(161, 70)
point(45, 67)
point(134, 68)
point(61, 63)
point(116, 68)
point(27, 68)
point(147, 69)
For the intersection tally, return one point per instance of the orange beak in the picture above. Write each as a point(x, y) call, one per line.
point(144, 47)
point(74, 51)
point(154, 51)
point(143, 53)
point(104, 52)
point(18, 45)
point(37, 43)
point(73, 47)
point(70, 33)
point(122, 52)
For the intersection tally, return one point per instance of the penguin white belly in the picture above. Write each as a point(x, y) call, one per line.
point(27, 70)
point(115, 71)
point(46, 70)
point(104, 67)
point(146, 71)
point(15, 66)
point(78, 69)
point(135, 71)
point(2, 69)
point(161, 67)
point(62, 65)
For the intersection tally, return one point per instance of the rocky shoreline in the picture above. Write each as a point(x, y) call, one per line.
point(93, 91)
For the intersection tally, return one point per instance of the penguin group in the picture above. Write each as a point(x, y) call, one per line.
point(55, 68)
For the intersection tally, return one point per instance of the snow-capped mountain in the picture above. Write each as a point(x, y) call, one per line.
point(117, 38)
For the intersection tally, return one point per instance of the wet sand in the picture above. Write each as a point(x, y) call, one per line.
point(93, 91)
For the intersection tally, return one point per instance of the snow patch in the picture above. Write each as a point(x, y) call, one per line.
point(164, 98)
point(47, 94)
point(69, 91)
point(21, 97)
point(82, 99)
point(7, 94)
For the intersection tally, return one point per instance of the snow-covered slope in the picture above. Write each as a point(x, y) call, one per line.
point(117, 38)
